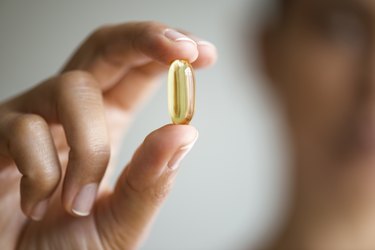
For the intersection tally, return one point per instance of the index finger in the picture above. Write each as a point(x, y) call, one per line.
point(110, 52)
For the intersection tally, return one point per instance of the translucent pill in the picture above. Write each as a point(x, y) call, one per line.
point(181, 92)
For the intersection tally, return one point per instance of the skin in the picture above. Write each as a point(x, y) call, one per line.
point(320, 58)
point(64, 134)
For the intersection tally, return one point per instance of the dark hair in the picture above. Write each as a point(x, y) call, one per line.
point(268, 13)
point(281, 10)
point(285, 6)
point(274, 10)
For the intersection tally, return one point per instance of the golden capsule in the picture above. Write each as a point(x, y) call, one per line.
point(181, 92)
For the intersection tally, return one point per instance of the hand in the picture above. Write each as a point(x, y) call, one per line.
point(57, 138)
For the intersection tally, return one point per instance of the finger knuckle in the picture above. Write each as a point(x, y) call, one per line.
point(154, 195)
point(145, 31)
point(151, 26)
point(43, 179)
point(140, 34)
point(159, 193)
point(28, 123)
point(93, 161)
point(77, 79)
point(97, 153)
point(46, 180)
point(75, 85)
point(100, 33)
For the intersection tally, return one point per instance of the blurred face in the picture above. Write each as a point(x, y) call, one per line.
point(321, 58)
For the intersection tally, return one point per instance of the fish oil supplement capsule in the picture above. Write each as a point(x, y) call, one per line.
point(181, 92)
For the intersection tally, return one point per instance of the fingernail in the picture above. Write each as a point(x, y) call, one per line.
point(206, 43)
point(85, 199)
point(39, 210)
point(174, 163)
point(200, 41)
point(177, 36)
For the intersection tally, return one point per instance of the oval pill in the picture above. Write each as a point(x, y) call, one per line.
point(181, 92)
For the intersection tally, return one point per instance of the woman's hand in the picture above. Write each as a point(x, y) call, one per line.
point(57, 138)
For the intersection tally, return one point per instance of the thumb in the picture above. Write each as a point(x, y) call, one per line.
point(124, 216)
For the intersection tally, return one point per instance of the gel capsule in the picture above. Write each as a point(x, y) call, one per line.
point(181, 92)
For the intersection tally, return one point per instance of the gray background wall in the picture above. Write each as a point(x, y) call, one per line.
point(231, 188)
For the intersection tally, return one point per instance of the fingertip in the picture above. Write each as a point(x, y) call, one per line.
point(165, 45)
point(172, 136)
point(78, 199)
point(184, 50)
point(169, 45)
point(185, 47)
point(207, 54)
point(156, 152)
point(84, 200)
